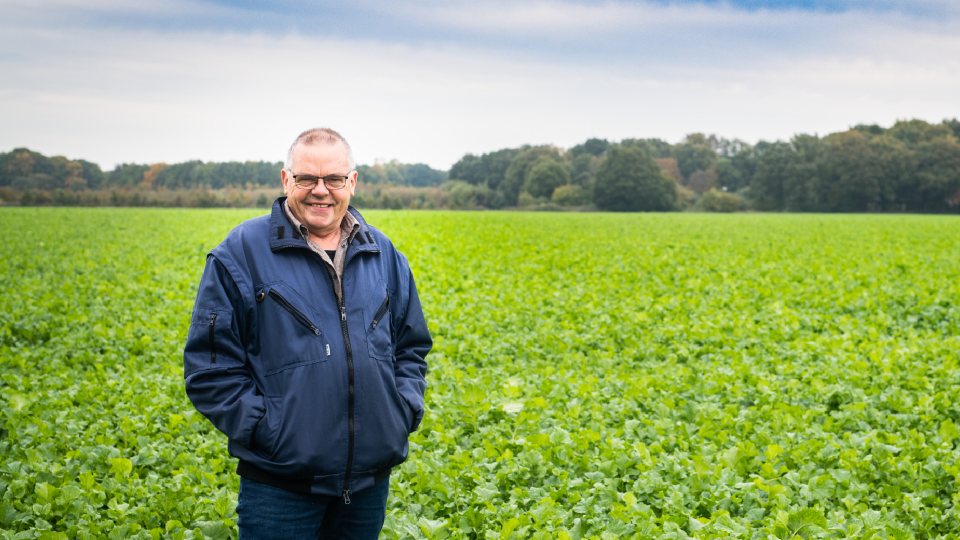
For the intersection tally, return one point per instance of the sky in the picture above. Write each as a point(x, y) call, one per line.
point(116, 81)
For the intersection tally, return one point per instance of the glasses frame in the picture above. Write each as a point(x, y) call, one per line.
point(332, 177)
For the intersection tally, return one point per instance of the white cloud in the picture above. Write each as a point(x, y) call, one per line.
point(119, 95)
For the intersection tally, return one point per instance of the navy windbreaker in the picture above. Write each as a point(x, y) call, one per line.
point(314, 396)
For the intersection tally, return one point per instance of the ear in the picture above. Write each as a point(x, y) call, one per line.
point(285, 178)
point(353, 182)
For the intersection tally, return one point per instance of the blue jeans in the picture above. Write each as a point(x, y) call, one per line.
point(266, 512)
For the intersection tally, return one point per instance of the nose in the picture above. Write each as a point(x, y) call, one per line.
point(320, 189)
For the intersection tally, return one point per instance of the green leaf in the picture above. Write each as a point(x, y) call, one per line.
point(213, 530)
point(948, 431)
point(508, 527)
point(805, 523)
point(121, 466)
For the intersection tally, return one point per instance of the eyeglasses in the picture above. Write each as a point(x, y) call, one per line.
point(306, 181)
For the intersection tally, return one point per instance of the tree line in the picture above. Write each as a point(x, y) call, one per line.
point(25, 169)
point(912, 166)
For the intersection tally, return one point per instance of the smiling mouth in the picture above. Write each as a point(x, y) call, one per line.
point(320, 205)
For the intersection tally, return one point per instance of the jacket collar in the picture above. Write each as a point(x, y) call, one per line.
point(284, 234)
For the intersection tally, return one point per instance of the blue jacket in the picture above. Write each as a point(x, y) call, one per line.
point(314, 396)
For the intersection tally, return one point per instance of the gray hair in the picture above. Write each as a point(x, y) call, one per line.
point(317, 136)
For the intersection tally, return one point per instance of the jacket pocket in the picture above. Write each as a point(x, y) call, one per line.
point(269, 427)
point(209, 334)
point(377, 316)
point(289, 330)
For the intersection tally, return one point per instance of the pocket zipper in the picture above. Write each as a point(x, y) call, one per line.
point(380, 312)
point(213, 344)
point(300, 317)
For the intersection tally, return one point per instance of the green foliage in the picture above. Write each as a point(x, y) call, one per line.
point(695, 376)
point(23, 169)
point(212, 175)
point(488, 169)
point(570, 195)
point(693, 156)
point(655, 148)
point(544, 176)
point(720, 201)
point(401, 174)
point(516, 175)
point(729, 176)
point(592, 147)
point(629, 181)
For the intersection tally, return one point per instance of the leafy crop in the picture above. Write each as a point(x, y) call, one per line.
point(594, 376)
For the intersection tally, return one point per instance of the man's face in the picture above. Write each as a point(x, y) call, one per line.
point(320, 209)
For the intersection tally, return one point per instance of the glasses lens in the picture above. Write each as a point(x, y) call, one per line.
point(335, 182)
point(305, 182)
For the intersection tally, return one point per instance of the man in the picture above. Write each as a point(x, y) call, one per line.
point(307, 349)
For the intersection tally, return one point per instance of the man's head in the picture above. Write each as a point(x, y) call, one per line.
point(320, 152)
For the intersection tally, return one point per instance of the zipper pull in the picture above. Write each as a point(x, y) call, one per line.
point(346, 496)
point(343, 317)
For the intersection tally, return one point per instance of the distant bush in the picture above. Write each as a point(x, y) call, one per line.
point(32, 197)
point(525, 200)
point(720, 201)
point(8, 195)
point(570, 195)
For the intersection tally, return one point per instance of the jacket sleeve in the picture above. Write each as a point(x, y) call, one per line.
point(214, 358)
point(413, 342)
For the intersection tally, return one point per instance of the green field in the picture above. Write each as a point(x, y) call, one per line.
point(594, 376)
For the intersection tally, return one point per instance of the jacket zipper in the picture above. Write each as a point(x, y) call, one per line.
point(300, 317)
point(350, 383)
point(380, 312)
point(213, 344)
point(350, 428)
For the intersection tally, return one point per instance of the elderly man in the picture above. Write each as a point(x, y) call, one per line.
point(307, 349)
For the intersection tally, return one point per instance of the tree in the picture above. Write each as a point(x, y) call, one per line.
point(938, 172)
point(804, 190)
point(669, 168)
point(693, 157)
point(777, 164)
point(655, 148)
point(129, 174)
point(897, 171)
point(701, 181)
point(544, 176)
point(489, 168)
point(629, 180)
point(727, 148)
point(421, 175)
point(516, 174)
point(870, 131)
point(854, 173)
point(914, 132)
point(150, 176)
point(954, 126)
point(593, 147)
point(583, 169)
point(729, 176)
point(371, 174)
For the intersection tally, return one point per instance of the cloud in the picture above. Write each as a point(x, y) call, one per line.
point(113, 94)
